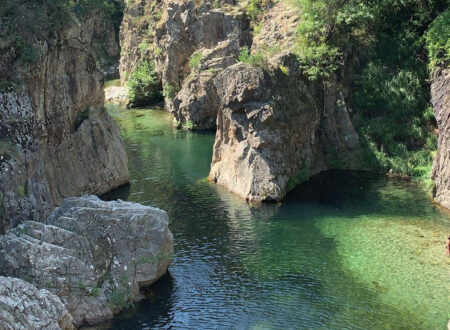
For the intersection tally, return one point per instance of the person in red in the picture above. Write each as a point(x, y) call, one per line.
point(447, 247)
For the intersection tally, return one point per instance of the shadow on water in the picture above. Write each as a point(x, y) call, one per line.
point(329, 256)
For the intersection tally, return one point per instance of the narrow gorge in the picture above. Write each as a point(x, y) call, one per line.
point(298, 147)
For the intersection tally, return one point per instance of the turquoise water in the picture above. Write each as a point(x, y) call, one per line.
point(344, 251)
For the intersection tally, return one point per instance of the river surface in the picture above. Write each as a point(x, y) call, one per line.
point(345, 250)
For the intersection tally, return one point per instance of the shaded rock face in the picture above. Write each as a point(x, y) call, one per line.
point(274, 132)
point(185, 30)
point(93, 255)
point(56, 140)
point(440, 98)
point(23, 306)
point(275, 128)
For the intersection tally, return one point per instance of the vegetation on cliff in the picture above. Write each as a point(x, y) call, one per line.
point(382, 48)
point(23, 23)
point(438, 41)
point(144, 87)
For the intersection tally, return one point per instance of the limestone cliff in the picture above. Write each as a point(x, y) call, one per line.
point(440, 98)
point(56, 140)
point(275, 128)
point(189, 44)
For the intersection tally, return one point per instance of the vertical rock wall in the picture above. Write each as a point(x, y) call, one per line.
point(172, 33)
point(275, 128)
point(440, 98)
point(56, 139)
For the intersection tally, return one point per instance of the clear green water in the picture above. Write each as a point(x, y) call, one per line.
point(343, 251)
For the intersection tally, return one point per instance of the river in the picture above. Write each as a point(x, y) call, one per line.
point(345, 250)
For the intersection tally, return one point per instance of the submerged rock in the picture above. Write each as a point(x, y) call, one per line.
point(94, 255)
point(440, 98)
point(23, 306)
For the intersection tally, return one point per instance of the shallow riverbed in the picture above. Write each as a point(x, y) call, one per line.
point(345, 250)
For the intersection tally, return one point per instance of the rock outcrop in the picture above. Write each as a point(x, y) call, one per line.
point(440, 98)
point(93, 255)
point(274, 131)
point(56, 139)
point(275, 128)
point(23, 306)
point(189, 44)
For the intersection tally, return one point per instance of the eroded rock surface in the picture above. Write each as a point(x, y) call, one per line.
point(23, 307)
point(440, 98)
point(273, 130)
point(172, 34)
point(93, 255)
point(56, 139)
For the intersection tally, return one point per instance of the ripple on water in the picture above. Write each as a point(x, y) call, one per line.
point(346, 250)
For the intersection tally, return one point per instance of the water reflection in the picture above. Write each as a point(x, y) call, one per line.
point(340, 252)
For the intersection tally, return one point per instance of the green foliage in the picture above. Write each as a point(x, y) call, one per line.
point(189, 125)
point(394, 119)
point(143, 46)
point(118, 299)
point(21, 191)
point(24, 22)
point(391, 93)
point(158, 51)
point(170, 91)
point(330, 30)
point(82, 116)
point(258, 59)
point(255, 8)
point(144, 87)
point(438, 41)
point(195, 61)
point(81, 285)
point(284, 70)
point(95, 292)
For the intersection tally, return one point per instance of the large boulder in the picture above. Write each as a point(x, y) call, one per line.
point(275, 129)
point(23, 307)
point(440, 98)
point(94, 255)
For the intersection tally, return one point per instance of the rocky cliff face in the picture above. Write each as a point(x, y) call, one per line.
point(93, 255)
point(275, 128)
point(440, 98)
point(56, 140)
point(275, 131)
point(189, 44)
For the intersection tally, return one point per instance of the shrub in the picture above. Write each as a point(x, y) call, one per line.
point(195, 61)
point(258, 59)
point(143, 46)
point(438, 41)
point(144, 87)
point(170, 91)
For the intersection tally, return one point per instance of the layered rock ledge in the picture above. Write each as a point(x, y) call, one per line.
point(93, 255)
